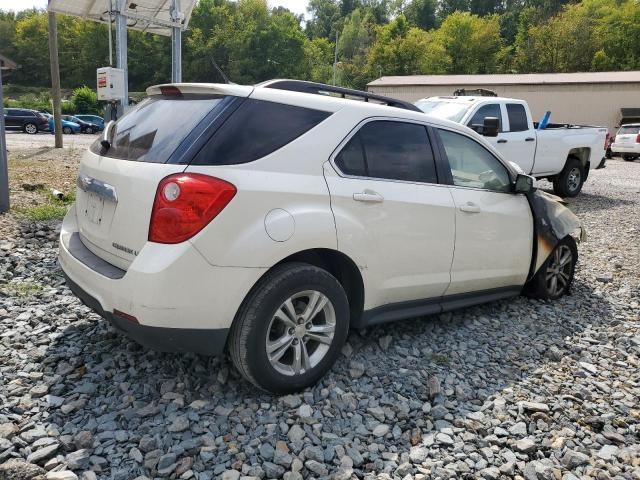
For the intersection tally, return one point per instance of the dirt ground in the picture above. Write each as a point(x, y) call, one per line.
point(36, 167)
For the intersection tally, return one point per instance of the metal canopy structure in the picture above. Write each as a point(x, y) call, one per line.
point(151, 16)
point(161, 17)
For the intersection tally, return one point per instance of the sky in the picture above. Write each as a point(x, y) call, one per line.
point(296, 6)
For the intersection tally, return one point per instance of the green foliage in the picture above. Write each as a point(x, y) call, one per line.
point(251, 42)
point(44, 212)
point(85, 100)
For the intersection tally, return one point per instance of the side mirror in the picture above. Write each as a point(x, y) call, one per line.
point(490, 127)
point(524, 184)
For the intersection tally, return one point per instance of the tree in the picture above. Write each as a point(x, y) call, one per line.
point(422, 13)
point(473, 43)
point(325, 15)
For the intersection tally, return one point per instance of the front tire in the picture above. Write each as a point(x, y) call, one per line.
point(555, 276)
point(569, 182)
point(290, 328)
point(67, 130)
point(31, 128)
point(629, 158)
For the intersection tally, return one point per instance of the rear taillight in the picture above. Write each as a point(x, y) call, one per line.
point(606, 141)
point(638, 138)
point(185, 203)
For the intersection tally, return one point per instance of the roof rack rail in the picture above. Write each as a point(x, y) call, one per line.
point(474, 92)
point(304, 86)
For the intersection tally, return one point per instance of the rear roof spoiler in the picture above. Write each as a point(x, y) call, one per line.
point(314, 88)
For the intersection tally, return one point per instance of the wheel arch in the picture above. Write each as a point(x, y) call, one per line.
point(340, 266)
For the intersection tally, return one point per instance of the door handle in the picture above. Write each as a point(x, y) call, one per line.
point(470, 207)
point(368, 196)
point(529, 139)
point(502, 140)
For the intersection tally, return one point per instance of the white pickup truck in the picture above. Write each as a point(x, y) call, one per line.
point(562, 154)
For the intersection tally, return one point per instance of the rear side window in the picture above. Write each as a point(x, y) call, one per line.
point(489, 110)
point(256, 129)
point(389, 150)
point(156, 127)
point(517, 117)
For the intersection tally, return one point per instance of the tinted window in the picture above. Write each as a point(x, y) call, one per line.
point(351, 159)
point(255, 130)
point(517, 118)
point(390, 150)
point(472, 165)
point(453, 111)
point(489, 110)
point(27, 113)
point(154, 129)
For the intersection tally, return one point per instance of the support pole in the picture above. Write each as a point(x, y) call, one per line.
point(176, 43)
point(335, 61)
point(4, 171)
point(55, 78)
point(121, 52)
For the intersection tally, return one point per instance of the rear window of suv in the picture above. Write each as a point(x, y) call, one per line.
point(155, 128)
point(630, 130)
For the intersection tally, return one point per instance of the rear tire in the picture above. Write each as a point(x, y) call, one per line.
point(31, 128)
point(555, 276)
point(89, 130)
point(569, 182)
point(282, 340)
point(629, 158)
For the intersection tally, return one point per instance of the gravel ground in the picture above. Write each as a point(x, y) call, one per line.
point(520, 389)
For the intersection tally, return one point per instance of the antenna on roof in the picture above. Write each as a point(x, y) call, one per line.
point(215, 65)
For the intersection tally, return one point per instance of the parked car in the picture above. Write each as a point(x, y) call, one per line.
point(67, 126)
point(268, 222)
point(85, 127)
point(627, 142)
point(29, 121)
point(561, 153)
point(95, 119)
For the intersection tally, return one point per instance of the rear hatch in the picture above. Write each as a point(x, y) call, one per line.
point(117, 185)
point(627, 134)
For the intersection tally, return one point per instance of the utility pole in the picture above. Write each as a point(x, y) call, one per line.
point(335, 60)
point(176, 42)
point(121, 52)
point(4, 172)
point(55, 78)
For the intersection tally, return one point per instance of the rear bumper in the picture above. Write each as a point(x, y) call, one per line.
point(202, 341)
point(181, 302)
point(632, 148)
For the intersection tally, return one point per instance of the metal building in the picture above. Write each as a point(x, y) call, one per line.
point(594, 98)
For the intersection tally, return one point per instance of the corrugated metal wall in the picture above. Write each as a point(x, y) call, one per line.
point(587, 104)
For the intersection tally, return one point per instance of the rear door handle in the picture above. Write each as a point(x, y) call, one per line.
point(529, 139)
point(368, 196)
point(502, 140)
point(470, 207)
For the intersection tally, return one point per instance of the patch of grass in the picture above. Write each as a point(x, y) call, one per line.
point(440, 358)
point(21, 289)
point(54, 209)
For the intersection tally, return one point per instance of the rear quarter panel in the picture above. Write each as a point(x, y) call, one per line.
point(555, 145)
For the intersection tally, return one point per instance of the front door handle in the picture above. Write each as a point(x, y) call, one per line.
point(368, 196)
point(529, 139)
point(502, 140)
point(470, 207)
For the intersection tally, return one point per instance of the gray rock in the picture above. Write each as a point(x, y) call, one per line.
point(316, 467)
point(179, 424)
point(166, 461)
point(61, 475)
point(572, 459)
point(78, 460)
point(296, 434)
point(272, 470)
point(231, 475)
point(18, 469)
point(39, 456)
point(525, 445)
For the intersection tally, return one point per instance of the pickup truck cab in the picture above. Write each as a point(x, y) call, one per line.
point(561, 153)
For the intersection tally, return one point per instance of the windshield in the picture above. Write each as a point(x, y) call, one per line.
point(629, 130)
point(453, 111)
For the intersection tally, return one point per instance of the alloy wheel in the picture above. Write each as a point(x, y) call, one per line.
point(30, 128)
point(573, 179)
point(301, 333)
point(559, 269)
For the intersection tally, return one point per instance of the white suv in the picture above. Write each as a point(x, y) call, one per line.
point(627, 142)
point(268, 221)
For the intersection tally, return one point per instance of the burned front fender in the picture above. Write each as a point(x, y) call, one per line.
point(553, 221)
